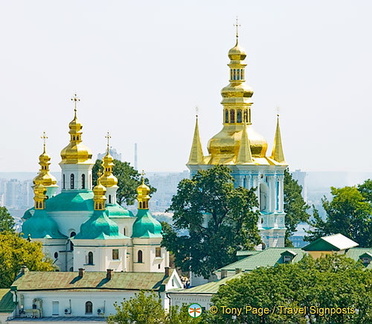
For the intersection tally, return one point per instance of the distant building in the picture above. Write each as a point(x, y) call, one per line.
point(300, 177)
point(113, 153)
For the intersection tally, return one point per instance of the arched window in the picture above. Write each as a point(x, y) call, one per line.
point(72, 180)
point(72, 234)
point(232, 116)
point(226, 116)
point(64, 181)
point(90, 258)
point(124, 231)
point(139, 257)
point(239, 116)
point(109, 199)
point(88, 307)
point(83, 181)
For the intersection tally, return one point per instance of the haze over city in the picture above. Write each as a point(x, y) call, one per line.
point(141, 68)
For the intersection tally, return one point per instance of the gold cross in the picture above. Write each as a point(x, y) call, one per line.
point(44, 138)
point(75, 99)
point(237, 28)
point(108, 139)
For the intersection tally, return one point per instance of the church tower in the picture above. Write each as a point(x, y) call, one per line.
point(241, 148)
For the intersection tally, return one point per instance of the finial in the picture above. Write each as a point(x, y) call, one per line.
point(44, 138)
point(108, 136)
point(237, 29)
point(75, 99)
point(143, 176)
point(277, 111)
point(197, 112)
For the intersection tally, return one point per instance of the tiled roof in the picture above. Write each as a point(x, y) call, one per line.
point(265, 258)
point(6, 301)
point(91, 280)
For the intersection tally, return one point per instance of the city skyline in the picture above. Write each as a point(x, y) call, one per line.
point(140, 69)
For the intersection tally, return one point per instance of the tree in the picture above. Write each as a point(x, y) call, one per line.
point(15, 252)
point(212, 220)
point(6, 220)
point(128, 181)
point(294, 206)
point(331, 289)
point(146, 308)
point(349, 213)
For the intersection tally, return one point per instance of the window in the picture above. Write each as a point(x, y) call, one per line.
point(226, 116)
point(72, 234)
point(239, 116)
point(55, 255)
point(64, 181)
point(287, 259)
point(83, 181)
point(109, 199)
point(88, 307)
point(139, 257)
point(115, 254)
point(55, 307)
point(158, 252)
point(124, 231)
point(90, 258)
point(232, 116)
point(72, 180)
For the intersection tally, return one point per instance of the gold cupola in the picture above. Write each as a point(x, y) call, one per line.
point(143, 195)
point(76, 152)
point(99, 198)
point(44, 177)
point(108, 179)
point(224, 147)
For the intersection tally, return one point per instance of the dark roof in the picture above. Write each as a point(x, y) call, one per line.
point(91, 280)
point(6, 301)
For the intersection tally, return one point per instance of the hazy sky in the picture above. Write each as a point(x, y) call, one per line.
point(141, 67)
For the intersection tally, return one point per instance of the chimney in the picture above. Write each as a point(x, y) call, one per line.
point(223, 274)
point(24, 270)
point(238, 270)
point(109, 274)
point(167, 271)
point(81, 272)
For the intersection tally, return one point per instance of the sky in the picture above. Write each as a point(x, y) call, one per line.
point(141, 67)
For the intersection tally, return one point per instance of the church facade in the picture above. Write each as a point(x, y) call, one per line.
point(85, 228)
point(244, 151)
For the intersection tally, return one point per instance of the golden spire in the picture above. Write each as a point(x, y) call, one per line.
point(196, 153)
point(108, 179)
point(44, 177)
point(39, 196)
point(143, 192)
point(99, 196)
point(245, 154)
point(76, 152)
point(277, 152)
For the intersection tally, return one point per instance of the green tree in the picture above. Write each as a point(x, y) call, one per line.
point(146, 308)
point(331, 282)
point(295, 207)
point(212, 220)
point(6, 220)
point(349, 213)
point(15, 252)
point(128, 181)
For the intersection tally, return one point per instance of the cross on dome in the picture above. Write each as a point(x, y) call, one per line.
point(108, 137)
point(44, 138)
point(237, 25)
point(75, 99)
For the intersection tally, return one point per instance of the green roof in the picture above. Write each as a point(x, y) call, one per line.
point(357, 253)
point(28, 213)
point(6, 301)
point(145, 225)
point(268, 257)
point(208, 288)
point(38, 280)
point(74, 200)
point(40, 225)
point(99, 226)
point(117, 211)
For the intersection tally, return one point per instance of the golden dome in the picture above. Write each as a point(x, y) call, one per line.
point(76, 152)
point(99, 190)
point(108, 179)
point(44, 177)
point(237, 53)
point(237, 91)
point(225, 145)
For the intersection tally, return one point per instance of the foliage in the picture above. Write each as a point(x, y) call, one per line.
point(294, 206)
point(15, 252)
point(349, 213)
point(218, 220)
point(6, 220)
point(312, 287)
point(146, 308)
point(128, 181)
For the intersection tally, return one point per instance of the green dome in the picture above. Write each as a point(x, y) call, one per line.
point(40, 225)
point(117, 211)
point(71, 201)
point(99, 226)
point(146, 225)
point(28, 213)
